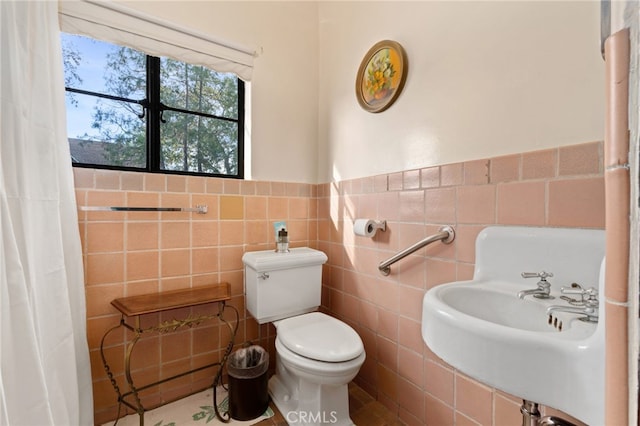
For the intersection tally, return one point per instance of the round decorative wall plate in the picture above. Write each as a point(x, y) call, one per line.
point(381, 76)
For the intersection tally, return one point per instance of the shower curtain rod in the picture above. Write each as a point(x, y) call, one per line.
point(200, 209)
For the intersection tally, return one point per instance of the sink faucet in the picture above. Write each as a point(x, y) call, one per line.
point(544, 287)
point(589, 306)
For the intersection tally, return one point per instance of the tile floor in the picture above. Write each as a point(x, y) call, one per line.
point(364, 410)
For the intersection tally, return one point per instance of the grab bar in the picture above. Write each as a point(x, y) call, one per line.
point(200, 209)
point(446, 234)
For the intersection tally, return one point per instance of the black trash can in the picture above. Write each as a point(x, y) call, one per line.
point(248, 382)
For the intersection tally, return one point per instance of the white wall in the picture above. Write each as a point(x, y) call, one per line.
point(284, 111)
point(485, 79)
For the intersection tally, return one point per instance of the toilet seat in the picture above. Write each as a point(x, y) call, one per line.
point(320, 337)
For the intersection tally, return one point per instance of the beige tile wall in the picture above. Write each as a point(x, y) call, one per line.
point(618, 207)
point(134, 253)
point(558, 187)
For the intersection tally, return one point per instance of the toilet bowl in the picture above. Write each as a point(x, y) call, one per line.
point(316, 358)
point(316, 355)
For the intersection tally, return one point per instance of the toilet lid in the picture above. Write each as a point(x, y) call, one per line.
point(320, 337)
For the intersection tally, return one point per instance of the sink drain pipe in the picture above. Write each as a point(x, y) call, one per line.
point(531, 416)
point(530, 413)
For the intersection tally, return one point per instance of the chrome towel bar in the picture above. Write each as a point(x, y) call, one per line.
point(200, 209)
point(446, 234)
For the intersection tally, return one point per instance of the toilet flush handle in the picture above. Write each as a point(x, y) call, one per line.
point(263, 275)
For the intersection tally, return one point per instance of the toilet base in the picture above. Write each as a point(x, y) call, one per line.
point(310, 404)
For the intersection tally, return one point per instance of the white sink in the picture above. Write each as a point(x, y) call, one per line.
point(484, 330)
point(486, 302)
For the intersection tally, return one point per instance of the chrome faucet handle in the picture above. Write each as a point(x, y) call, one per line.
point(588, 306)
point(590, 292)
point(589, 295)
point(544, 287)
point(542, 275)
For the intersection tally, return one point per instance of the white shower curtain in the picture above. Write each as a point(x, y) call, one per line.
point(45, 376)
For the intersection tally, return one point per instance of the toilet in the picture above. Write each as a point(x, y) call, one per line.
point(316, 355)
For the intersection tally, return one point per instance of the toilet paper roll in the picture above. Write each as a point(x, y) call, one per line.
point(365, 227)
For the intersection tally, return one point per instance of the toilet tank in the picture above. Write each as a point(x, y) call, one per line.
point(281, 285)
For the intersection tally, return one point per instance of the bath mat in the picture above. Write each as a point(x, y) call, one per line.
point(196, 409)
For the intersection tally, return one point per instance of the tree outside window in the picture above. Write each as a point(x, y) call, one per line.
point(127, 110)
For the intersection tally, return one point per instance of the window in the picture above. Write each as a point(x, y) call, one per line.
point(130, 111)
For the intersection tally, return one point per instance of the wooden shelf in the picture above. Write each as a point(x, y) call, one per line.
point(135, 306)
point(166, 300)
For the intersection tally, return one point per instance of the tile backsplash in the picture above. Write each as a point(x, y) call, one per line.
point(561, 187)
point(134, 253)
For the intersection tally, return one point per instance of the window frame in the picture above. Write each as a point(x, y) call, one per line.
point(153, 107)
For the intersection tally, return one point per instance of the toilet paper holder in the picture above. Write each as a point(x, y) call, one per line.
point(379, 224)
point(368, 227)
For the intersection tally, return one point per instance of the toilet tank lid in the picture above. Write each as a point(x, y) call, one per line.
point(270, 260)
